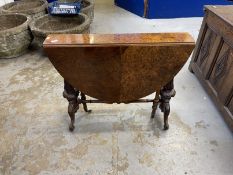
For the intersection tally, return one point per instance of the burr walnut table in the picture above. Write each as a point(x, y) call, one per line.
point(212, 60)
point(118, 68)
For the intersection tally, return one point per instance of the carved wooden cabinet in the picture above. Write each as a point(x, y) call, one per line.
point(212, 60)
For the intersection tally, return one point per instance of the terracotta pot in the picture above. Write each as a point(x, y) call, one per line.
point(15, 36)
point(47, 24)
point(34, 8)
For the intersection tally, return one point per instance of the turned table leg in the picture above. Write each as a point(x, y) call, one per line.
point(71, 95)
point(166, 93)
point(155, 104)
point(83, 97)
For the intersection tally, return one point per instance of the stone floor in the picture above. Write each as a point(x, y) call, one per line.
point(114, 139)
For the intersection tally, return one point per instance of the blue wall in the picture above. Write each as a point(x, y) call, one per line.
point(134, 6)
point(49, 1)
point(169, 8)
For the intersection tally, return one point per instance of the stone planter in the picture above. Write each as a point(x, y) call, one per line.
point(32, 8)
point(15, 36)
point(47, 24)
point(87, 7)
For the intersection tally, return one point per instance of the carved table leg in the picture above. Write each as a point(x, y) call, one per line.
point(71, 95)
point(83, 97)
point(155, 104)
point(166, 93)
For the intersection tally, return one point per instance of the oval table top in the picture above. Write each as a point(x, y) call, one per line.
point(91, 40)
point(119, 67)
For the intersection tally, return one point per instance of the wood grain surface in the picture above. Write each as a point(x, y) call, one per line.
point(212, 60)
point(119, 67)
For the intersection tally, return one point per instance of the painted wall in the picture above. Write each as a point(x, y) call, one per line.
point(134, 6)
point(180, 8)
point(169, 8)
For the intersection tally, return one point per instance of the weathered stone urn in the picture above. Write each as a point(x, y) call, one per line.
point(45, 25)
point(33, 8)
point(87, 7)
point(15, 36)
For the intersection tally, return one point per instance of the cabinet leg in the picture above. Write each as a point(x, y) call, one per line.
point(190, 67)
point(71, 95)
point(166, 93)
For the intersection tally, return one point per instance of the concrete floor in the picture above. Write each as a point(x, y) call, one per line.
point(114, 139)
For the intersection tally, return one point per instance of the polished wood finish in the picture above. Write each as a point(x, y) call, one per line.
point(119, 68)
point(212, 61)
point(90, 40)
